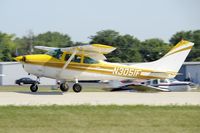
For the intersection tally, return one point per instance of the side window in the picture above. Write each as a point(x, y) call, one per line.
point(59, 54)
point(67, 56)
point(89, 60)
point(55, 53)
point(77, 59)
point(155, 81)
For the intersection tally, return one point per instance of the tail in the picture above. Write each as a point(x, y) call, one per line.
point(172, 61)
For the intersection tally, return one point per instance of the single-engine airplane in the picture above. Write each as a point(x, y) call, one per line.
point(87, 63)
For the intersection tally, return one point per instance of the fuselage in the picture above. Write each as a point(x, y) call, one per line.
point(82, 68)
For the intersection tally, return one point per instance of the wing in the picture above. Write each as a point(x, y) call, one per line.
point(95, 51)
point(45, 48)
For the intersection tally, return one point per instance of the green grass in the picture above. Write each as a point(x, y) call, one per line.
point(100, 119)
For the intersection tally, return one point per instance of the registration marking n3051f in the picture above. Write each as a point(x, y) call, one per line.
point(126, 72)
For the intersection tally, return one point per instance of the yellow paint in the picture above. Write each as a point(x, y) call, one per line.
point(102, 46)
point(180, 44)
point(180, 50)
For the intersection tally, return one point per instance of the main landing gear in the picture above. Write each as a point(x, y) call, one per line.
point(76, 87)
point(64, 87)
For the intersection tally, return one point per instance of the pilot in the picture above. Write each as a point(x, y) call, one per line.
point(58, 53)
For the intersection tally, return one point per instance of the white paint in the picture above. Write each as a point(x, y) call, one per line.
point(68, 74)
point(14, 70)
point(171, 62)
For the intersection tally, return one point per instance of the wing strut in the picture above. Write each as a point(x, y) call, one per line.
point(69, 60)
point(67, 63)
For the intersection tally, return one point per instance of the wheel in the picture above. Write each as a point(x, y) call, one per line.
point(77, 87)
point(34, 87)
point(64, 87)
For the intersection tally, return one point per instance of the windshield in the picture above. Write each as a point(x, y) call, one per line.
point(57, 53)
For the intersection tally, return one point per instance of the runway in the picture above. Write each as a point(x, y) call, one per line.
point(99, 98)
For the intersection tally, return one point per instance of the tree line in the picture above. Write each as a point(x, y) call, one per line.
point(129, 48)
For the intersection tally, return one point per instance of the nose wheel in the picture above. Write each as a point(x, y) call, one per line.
point(34, 88)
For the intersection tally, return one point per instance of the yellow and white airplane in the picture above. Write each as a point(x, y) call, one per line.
point(87, 63)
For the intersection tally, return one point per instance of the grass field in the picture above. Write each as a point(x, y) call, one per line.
point(100, 119)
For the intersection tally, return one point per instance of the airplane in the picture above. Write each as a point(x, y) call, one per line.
point(87, 62)
point(165, 85)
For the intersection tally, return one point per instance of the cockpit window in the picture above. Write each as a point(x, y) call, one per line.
point(76, 58)
point(89, 60)
point(57, 53)
point(67, 56)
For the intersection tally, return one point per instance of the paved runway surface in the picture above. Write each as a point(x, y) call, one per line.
point(99, 98)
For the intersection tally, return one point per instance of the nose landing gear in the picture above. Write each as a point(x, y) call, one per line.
point(34, 86)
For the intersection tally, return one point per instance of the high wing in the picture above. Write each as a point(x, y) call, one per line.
point(45, 48)
point(95, 51)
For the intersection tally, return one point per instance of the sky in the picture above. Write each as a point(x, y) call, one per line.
point(80, 19)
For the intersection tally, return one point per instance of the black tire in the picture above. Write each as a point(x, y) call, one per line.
point(34, 88)
point(64, 87)
point(77, 87)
